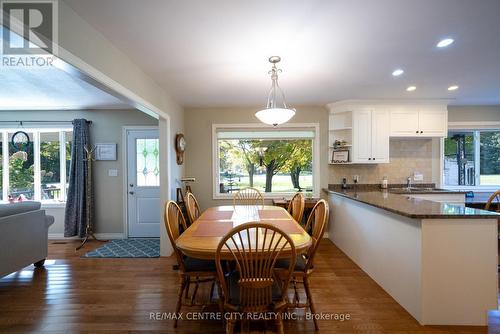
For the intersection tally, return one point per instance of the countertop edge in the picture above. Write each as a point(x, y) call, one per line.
point(410, 215)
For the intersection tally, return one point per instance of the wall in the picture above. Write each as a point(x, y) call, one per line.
point(473, 113)
point(106, 128)
point(198, 132)
point(406, 157)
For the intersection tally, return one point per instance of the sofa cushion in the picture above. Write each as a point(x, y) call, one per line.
point(10, 209)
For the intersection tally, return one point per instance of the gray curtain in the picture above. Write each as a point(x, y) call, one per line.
point(79, 192)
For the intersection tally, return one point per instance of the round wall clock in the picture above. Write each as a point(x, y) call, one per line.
point(180, 147)
point(20, 140)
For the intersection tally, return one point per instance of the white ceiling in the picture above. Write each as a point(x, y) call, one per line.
point(214, 53)
point(43, 88)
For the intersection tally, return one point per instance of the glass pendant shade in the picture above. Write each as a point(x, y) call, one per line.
point(275, 113)
point(275, 116)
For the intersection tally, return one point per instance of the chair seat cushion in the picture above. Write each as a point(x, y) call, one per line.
point(191, 264)
point(234, 289)
point(300, 263)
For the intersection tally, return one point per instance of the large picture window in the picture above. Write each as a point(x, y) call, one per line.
point(38, 171)
point(275, 161)
point(472, 158)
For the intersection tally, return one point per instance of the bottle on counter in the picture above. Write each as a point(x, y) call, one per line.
point(384, 183)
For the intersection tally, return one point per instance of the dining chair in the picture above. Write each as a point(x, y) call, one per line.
point(296, 207)
point(495, 197)
point(304, 264)
point(191, 270)
point(253, 287)
point(248, 196)
point(193, 208)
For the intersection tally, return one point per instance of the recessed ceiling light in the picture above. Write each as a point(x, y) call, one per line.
point(411, 88)
point(397, 73)
point(454, 87)
point(445, 42)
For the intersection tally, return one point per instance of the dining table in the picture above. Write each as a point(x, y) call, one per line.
point(201, 239)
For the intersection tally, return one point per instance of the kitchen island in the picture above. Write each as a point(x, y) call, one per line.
point(437, 260)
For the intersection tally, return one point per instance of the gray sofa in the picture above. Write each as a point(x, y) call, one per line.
point(23, 236)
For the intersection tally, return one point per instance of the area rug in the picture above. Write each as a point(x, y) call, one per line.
point(127, 248)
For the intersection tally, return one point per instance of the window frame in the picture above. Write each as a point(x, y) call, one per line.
point(259, 127)
point(475, 128)
point(37, 180)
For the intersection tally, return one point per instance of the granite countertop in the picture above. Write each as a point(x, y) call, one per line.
point(403, 204)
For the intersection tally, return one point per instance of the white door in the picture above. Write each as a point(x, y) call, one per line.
point(433, 123)
point(380, 136)
point(362, 136)
point(404, 123)
point(143, 183)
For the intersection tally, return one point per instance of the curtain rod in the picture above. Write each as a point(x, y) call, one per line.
point(20, 122)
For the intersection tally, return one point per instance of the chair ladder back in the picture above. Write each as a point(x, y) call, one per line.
point(317, 220)
point(255, 248)
point(193, 208)
point(494, 197)
point(174, 219)
point(248, 196)
point(296, 207)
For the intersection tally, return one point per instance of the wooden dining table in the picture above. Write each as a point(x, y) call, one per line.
point(202, 237)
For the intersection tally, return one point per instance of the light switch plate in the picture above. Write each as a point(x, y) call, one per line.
point(112, 172)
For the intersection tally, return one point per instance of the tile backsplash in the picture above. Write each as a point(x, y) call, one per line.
point(406, 157)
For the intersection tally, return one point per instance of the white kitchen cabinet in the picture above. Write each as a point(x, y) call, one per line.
point(433, 123)
point(419, 122)
point(380, 136)
point(370, 136)
point(404, 123)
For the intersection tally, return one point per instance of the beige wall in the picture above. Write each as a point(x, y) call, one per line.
point(198, 132)
point(106, 128)
point(473, 113)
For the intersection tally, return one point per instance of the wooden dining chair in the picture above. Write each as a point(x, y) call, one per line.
point(296, 207)
point(248, 196)
point(304, 264)
point(193, 209)
point(252, 287)
point(494, 198)
point(191, 270)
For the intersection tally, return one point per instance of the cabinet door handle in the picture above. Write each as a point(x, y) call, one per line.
point(421, 131)
point(369, 158)
point(373, 158)
point(416, 131)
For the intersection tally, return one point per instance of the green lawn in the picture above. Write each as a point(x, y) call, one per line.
point(281, 183)
point(489, 180)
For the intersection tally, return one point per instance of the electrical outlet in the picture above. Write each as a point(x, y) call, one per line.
point(355, 178)
point(417, 176)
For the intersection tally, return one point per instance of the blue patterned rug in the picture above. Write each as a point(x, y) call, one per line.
point(127, 248)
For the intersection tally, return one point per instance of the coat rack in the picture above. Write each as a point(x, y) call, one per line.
point(89, 229)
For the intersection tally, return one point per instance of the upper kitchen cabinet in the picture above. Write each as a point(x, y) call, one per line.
point(360, 135)
point(370, 136)
point(419, 121)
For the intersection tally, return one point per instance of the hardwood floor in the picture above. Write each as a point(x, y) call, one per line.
point(116, 295)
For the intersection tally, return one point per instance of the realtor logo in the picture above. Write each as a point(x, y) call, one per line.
point(29, 27)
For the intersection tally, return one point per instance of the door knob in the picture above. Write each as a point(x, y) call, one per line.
point(131, 192)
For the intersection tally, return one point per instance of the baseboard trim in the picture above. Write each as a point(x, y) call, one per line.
point(103, 236)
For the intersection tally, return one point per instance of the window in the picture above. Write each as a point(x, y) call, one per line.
point(39, 170)
point(275, 161)
point(472, 158)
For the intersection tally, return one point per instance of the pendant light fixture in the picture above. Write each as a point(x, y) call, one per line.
point(275, 113)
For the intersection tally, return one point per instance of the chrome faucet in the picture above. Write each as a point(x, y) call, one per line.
point(408, 182)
